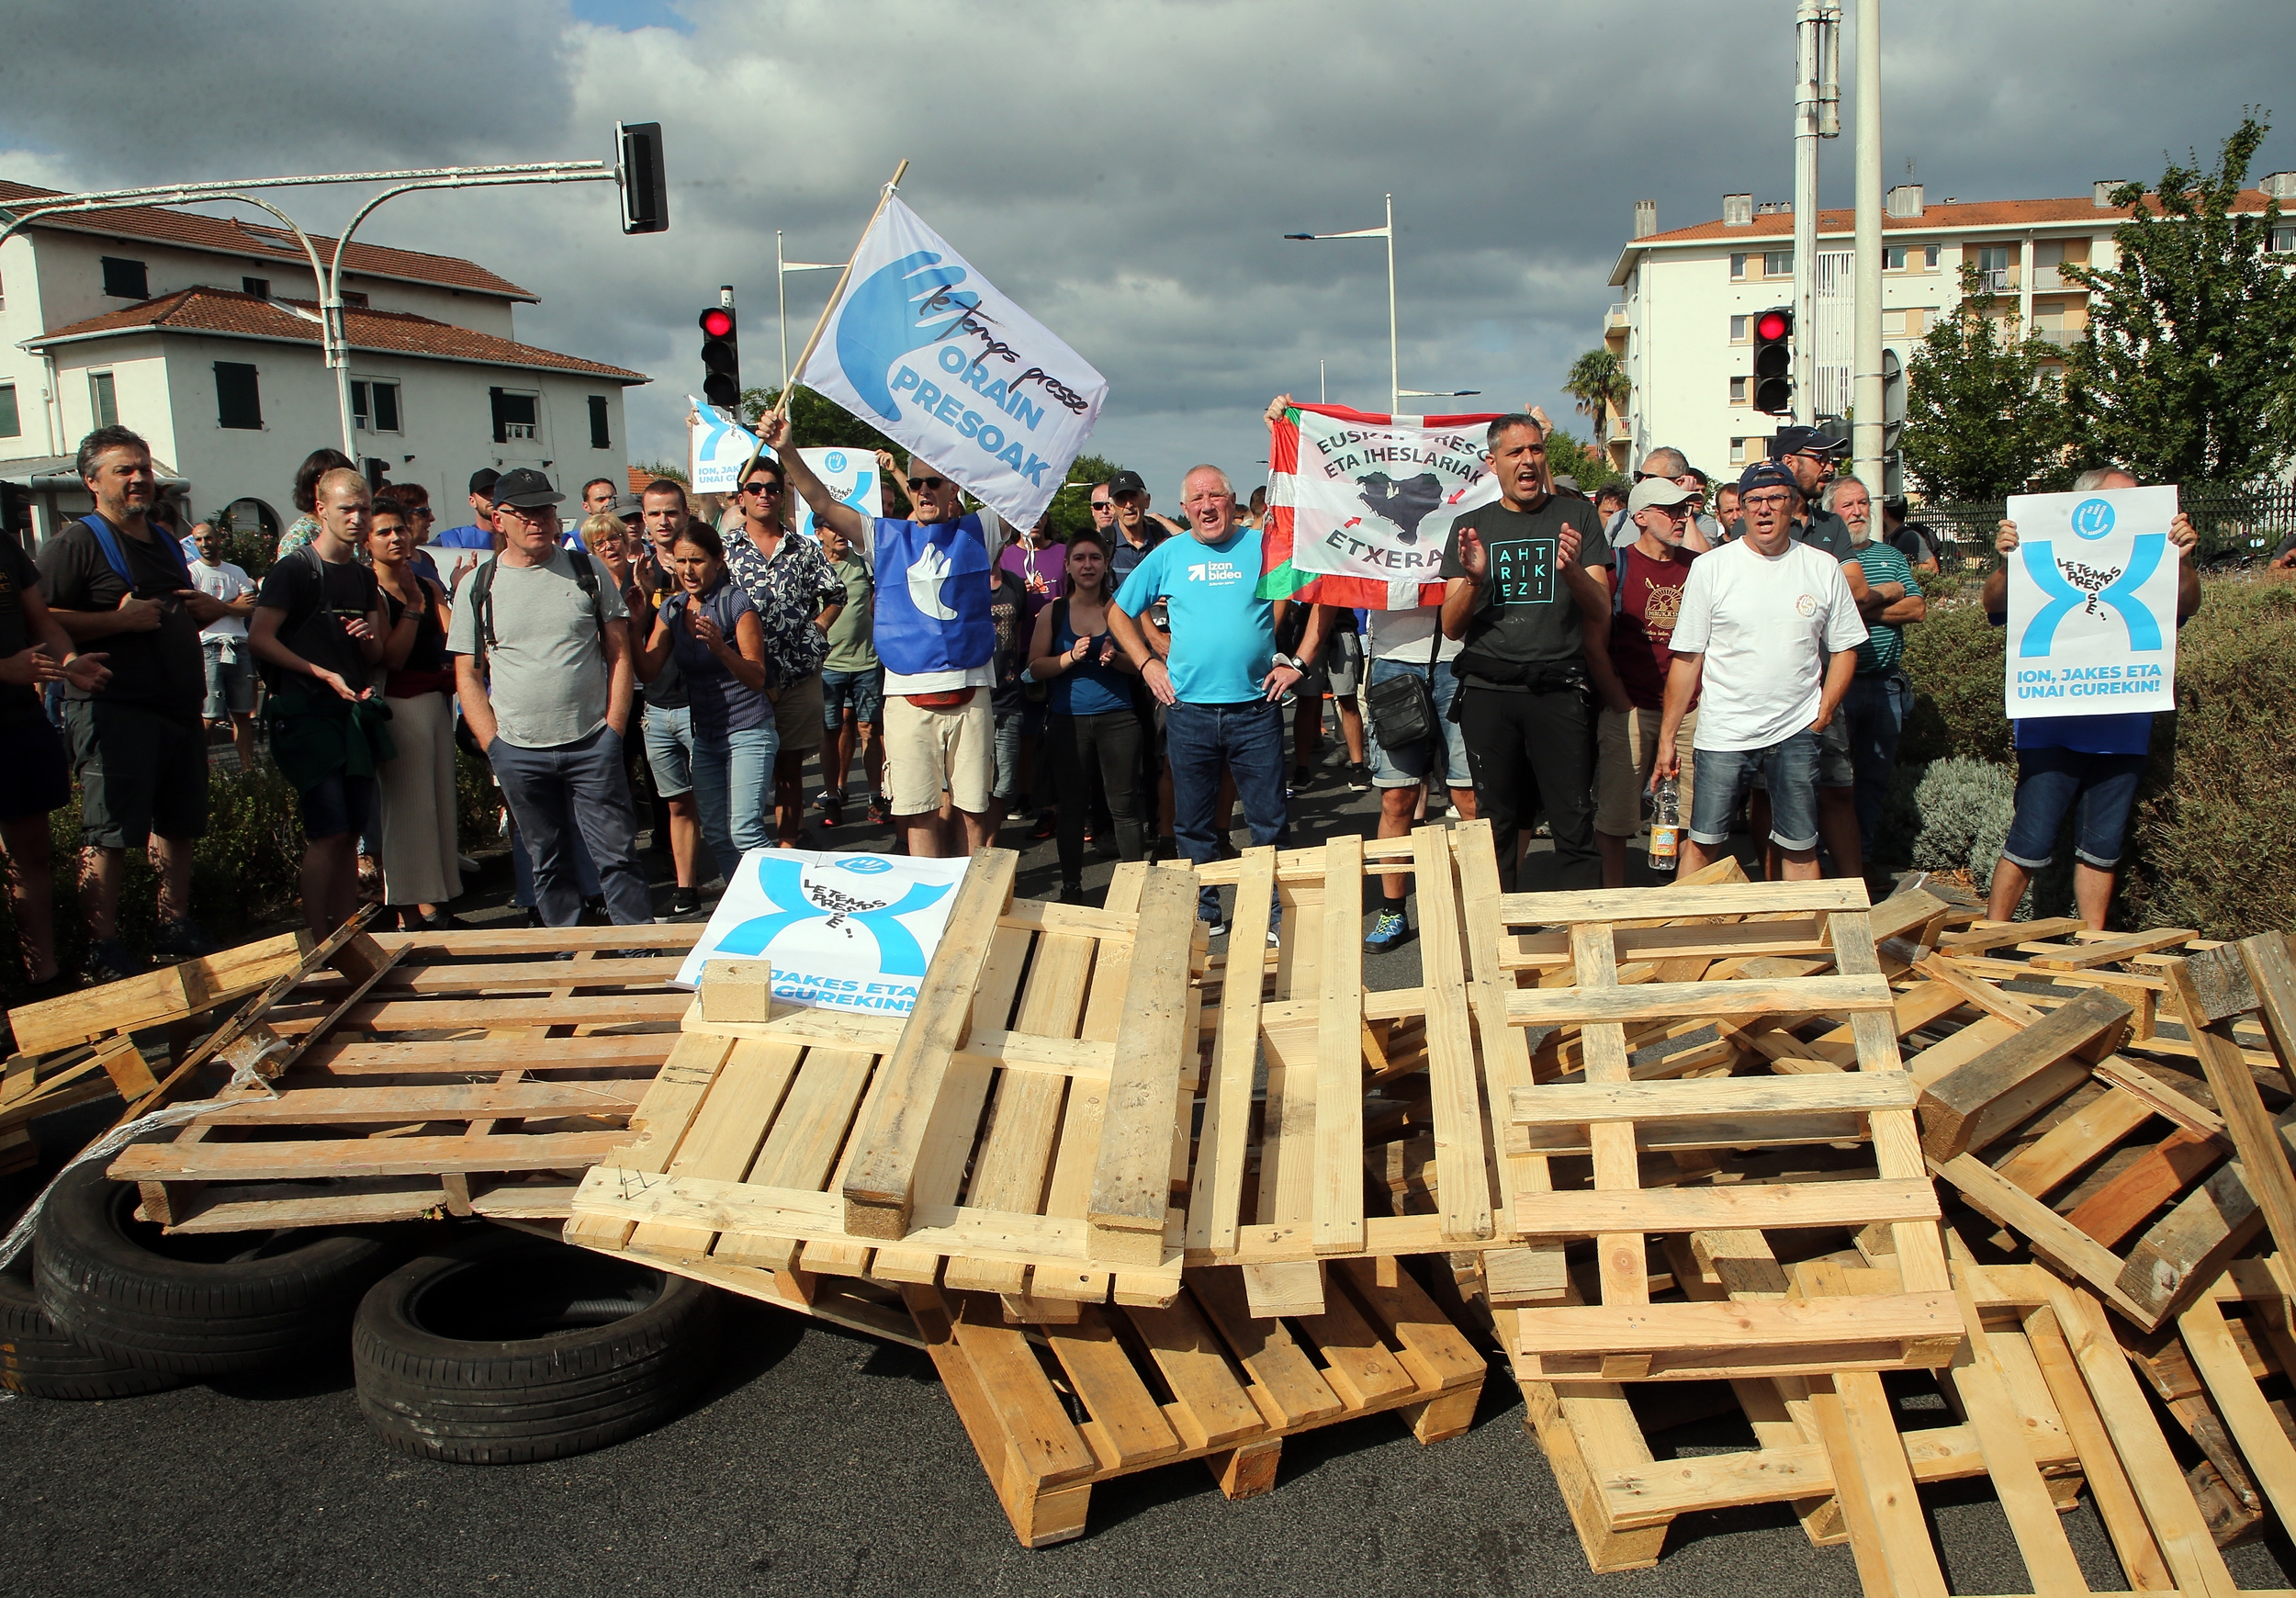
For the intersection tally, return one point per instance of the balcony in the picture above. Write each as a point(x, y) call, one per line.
point(1997, 278)
point(1617, 317)
point(2062, 337)
point(2048, 277)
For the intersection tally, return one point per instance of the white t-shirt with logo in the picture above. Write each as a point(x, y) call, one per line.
point(1767, 625)
point(226, 582)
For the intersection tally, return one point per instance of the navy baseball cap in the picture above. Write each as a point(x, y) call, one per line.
point(1806, 441)
point(1766, 474)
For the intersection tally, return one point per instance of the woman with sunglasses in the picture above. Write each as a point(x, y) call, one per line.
point(1092, 725)
point(711, 627)
point(797, 598)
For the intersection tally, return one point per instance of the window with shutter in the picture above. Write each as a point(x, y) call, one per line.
point(125, 279)
point(238, 396)
point(598, 433)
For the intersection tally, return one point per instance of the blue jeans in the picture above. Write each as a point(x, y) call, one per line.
point(1010, 727)
point(2098, 789)
point(1789, 766)
point(732, 785)
point(568, 792)
point(1248, 738)
point(1873, 714)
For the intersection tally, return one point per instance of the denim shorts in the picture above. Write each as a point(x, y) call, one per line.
point(1407, 767)
point(1789, 768)
point(337, 803)
point(669, 750)
point(2098, 789)
point(864, 691)
point(230, 683)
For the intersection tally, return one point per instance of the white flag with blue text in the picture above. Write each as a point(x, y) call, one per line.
point(717, 446)
point(926, 350)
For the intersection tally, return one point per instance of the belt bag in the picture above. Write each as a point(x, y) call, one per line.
point(947, 700)
point(1403, 708)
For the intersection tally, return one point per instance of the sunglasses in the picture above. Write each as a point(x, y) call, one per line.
point(917, 485)
point(761, 488)
point(1104, 504)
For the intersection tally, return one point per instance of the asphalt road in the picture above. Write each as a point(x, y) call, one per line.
point(825, 1462)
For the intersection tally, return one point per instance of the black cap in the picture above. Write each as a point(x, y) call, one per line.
point(1126, 483)
point(524, 486)
point(1806, 441)
point(482, 480)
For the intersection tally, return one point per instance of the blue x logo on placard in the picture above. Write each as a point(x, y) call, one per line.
point(795, 902)
point(2117, 589)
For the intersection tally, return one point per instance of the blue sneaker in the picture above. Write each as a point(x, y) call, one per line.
point(1390, 932)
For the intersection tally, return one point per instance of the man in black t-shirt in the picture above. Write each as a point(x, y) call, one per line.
point(318, 629)
point(1521, 592)
point(114, 583)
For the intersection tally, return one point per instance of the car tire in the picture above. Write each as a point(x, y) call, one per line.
point(506, 1349)
point(39, 1361)
point(204, 1304)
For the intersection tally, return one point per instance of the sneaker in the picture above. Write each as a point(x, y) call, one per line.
point(533, 914)
point(1046, 825)
point(1389, 933)
point(1071, 893)
point(880, 810)
point(594, 914)
point(466, 865)
point(182, 940)
point(829, 798)
point(685, 901)
point(1301, 778)
point(832, 809)
point(1358, 776)
point(1274, 939)
point(1216, 928)
point(436, 921)
point(108, 961)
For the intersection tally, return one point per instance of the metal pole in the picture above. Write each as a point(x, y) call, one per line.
point(1806, 49)
point(1865, 397)
point(1320, 396)
point(1394, 350)
point(780, 299)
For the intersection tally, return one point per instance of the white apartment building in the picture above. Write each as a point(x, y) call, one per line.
point(202, 333)
point(1684, 327)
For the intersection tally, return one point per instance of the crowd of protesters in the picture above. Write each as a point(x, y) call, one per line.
point(667, 662)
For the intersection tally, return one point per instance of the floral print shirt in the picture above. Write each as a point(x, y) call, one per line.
point(789, 589)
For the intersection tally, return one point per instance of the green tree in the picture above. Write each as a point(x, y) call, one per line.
point(1984, 416)
point(1595, 378)
point(2189, 372)
point(1072, 507)
point(1568, 456)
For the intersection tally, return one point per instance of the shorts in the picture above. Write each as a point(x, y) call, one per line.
point(337, 803)
point(1012, 725)
point(35, 773)
point(1407, 767)
point(862, 691)
point(929, 751)
point(1343, 667)
point(1790, 769)
point(230, 683)
point(670, 751)
point(2098, 789)
point(797, 717)
point(1835, 767)
point(1626, 748)
point(141, 772)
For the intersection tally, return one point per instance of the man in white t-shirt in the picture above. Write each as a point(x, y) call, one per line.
point(1411, 644)
point(231, 700)
point(1767, 642)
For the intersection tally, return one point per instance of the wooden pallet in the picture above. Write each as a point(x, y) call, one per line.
point(1022, 1133)
point(2227, 1372)
point(1055, 1412)
point(466, 1072)
point(2118, 1169)
point(1618, 1114)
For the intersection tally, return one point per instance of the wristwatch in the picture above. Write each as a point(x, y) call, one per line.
point(1283, 660)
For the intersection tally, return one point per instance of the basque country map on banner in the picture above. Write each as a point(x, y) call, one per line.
point(842, 931)
point(1362, 504)
point(927, 351)
point(2092, 604)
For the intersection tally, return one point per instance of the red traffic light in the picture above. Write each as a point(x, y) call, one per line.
point(717, 322)
point(1773, 325)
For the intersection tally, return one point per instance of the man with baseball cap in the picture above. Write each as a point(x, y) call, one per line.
point(1811, 456)
point(479, 533)
point(1645, 579)
point(543, 667)
point(1768, 634)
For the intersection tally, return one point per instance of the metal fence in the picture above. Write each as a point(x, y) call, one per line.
point(2237, 527)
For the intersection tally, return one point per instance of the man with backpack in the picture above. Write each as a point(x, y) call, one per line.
point(118, 586)
point(543, 673)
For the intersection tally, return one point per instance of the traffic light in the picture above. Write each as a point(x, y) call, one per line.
point(721, 354)
point(1893, 423)
point(645, 192)
point(1773, 361)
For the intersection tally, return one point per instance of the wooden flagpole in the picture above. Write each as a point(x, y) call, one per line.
point(836, 294)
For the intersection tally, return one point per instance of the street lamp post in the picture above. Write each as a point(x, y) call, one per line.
point(782, 269)
point(1394, 350)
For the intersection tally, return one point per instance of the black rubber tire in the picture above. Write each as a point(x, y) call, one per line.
point(39, 1361)
point(506, 1349)
point(202, 1305)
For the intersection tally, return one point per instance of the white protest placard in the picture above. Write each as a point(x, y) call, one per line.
point(929, 352)
point(2092, 604)
point(850, 476)
point(842, 931)
point(718, 445)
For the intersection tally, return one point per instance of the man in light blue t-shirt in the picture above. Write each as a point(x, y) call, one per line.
point(1223, 677)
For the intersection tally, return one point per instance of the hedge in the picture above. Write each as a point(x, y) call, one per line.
point(2209, 840)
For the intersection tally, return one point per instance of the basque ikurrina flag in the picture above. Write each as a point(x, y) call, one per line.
point(1359, 505)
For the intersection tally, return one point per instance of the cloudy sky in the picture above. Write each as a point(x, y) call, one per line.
point(1126, 171)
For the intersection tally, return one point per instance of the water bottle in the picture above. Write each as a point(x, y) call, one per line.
point(1666, 826)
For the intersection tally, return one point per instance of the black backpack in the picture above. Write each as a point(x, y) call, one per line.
point(482, 603)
